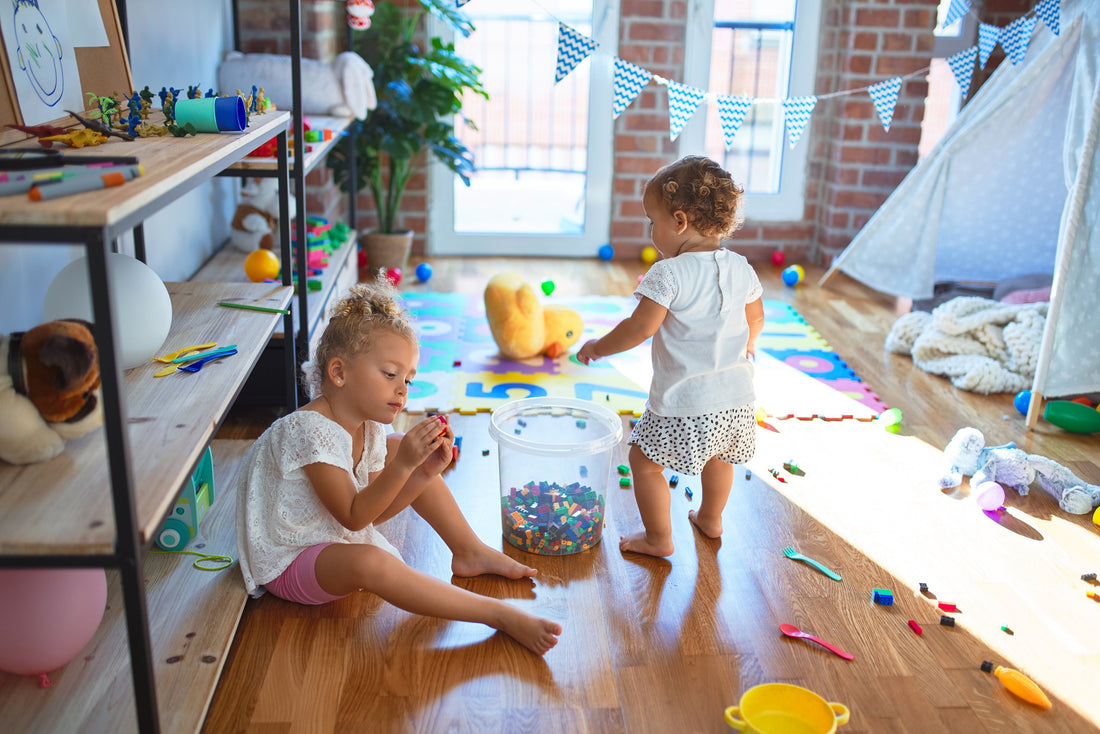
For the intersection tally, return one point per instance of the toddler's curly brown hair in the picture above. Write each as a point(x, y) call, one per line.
point(704, 191)
point(353, 321)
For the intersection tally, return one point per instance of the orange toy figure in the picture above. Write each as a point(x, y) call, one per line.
point(1019, 685)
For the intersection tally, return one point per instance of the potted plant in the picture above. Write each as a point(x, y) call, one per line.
point(418, 92)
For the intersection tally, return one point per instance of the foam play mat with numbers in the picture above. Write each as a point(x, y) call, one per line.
point(461, 370)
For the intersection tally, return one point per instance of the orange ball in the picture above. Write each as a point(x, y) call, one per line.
point(261, 265)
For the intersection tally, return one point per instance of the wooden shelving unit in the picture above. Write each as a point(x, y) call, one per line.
point(101, 502)
point(227, 265)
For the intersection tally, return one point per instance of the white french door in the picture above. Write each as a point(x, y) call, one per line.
point(543, 151)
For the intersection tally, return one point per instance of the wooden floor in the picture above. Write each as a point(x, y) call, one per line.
point(665, 645)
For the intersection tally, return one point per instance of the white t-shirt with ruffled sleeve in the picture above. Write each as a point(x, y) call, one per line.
point(278, 513)
point(700, 364)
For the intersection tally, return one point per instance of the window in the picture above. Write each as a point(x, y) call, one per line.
point(944, 99)
point(542, 150)
point(766, 50)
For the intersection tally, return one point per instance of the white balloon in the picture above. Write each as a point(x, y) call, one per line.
point(139, 301)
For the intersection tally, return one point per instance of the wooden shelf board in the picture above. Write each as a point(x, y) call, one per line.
point(171, 165)
point(317, 153)
point(227, 266)
point(63, 506)
point(193, 616)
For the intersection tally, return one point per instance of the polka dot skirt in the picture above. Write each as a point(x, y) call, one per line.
point(685, 445)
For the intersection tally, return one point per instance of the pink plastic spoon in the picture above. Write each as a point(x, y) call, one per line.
point(791, 631)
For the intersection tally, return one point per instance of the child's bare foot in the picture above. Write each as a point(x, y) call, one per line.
point(482, 559)
point(711, 529)
point(535, 633)
point(641, 543)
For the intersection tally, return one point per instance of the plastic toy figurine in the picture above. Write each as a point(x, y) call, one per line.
point(99, 127)
point(78, 138)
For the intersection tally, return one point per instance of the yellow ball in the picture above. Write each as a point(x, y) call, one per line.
point(261, 265)
point(649, 255)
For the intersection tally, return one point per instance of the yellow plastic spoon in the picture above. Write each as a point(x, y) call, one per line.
point(180, 352)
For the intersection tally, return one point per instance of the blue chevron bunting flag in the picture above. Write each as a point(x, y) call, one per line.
point(988, 35)
point(460, 3)
point(629, 82)
point(958, 9)
point(1050, 12)
point(962, 66)
point(731, 113)
point(885, 97)
point(1016, 36)
point(682, 103)
point(573, 48)
point(797, 111)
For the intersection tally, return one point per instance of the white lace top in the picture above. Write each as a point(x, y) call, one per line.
point(278, 513)
point(699, 353)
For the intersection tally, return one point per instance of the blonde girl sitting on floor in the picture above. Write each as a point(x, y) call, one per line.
point(318, 480)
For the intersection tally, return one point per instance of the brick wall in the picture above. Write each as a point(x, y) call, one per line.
point(853, 163)
point(265, 28)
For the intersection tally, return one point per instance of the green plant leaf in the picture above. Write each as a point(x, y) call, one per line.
point(419, 92)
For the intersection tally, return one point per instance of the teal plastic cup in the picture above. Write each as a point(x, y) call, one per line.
point(212, 114)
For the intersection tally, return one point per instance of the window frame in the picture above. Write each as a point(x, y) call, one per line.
point(790, 203)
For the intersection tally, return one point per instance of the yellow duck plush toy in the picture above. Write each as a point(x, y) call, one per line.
point(522, 327)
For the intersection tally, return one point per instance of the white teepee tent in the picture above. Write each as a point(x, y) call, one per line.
point(1013, 188)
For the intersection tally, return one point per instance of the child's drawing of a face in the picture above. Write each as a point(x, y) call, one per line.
point(39, 51)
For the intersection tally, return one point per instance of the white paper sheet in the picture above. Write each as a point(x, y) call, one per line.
point(41, 58)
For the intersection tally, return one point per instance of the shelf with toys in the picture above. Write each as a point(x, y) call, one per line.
point(332, 261)
point(159, 649)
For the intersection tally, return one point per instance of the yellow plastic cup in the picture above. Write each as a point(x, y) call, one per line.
point(781, 708)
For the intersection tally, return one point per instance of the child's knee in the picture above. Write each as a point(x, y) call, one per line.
point(640, 463)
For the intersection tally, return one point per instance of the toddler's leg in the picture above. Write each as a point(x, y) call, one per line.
point(717, 481)
point(654, 505)
point(342, 568)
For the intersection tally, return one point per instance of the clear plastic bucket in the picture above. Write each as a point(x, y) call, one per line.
point(555, 462)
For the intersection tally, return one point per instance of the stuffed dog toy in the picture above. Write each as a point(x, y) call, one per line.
point(1014, 468)
point(256, 221)
point(521, 326)
point(49, 389)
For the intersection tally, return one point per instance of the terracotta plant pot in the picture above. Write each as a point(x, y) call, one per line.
point(385, 251)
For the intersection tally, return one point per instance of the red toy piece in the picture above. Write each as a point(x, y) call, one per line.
point(915, 627)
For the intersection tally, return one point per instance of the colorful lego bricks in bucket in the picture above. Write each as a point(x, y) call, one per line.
point(549, 519)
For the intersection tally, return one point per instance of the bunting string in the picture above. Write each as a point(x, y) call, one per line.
point(683, 100)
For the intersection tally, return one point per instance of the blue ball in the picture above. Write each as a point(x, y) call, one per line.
point(423, 272)
point(792, 275)
point(606, 252)
point(1021, 401)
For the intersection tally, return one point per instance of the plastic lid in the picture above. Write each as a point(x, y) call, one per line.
point(604, 429)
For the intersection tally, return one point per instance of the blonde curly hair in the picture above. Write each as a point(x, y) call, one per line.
point(704, 191)
point(353, 321)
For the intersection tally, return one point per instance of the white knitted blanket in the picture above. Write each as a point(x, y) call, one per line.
point(981, 345)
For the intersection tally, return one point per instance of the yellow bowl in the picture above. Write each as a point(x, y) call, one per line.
point(781, 708)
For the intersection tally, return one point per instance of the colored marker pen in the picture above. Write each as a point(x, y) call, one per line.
point(86, 181)
point(20, 183)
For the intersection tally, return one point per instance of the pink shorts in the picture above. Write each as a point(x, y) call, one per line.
point(298, 583)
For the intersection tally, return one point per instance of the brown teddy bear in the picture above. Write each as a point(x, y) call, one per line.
point(49, 389)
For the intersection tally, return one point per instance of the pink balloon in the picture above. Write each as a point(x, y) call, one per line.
point(989, 496)
point(47, 616)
